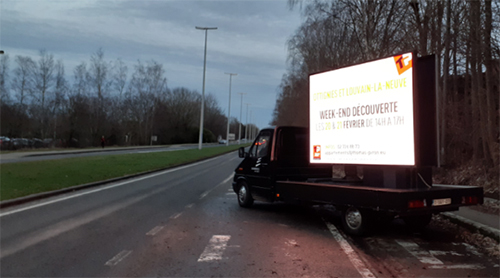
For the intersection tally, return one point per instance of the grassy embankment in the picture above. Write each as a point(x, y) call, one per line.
point(25, 178)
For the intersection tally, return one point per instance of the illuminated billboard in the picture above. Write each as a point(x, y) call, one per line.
point(363, 114)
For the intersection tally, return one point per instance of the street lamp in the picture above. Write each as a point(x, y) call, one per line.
point(229, 107)
point(246, 125)
point(251, 129)
point(203, 90)
point(241, 110)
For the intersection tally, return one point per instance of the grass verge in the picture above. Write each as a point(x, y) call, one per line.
point(26, 178)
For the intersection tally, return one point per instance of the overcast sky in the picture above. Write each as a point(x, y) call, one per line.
point(250, 41)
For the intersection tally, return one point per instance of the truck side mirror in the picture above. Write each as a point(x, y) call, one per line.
point(241, 152)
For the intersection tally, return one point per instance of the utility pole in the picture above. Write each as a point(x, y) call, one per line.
point(229, 107)
point(241, 110)
point(251, 129)
point(246, 125)
point(203, 90)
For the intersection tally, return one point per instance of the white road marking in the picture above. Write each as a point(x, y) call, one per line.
point(443, 253)
point(351, 254)
point(233, 158)
point(230, 193)
point(228, 178)
point(204, 194)
point(421, 254)
point(471, 249)
point(118, 258)
point(189, 206)
point(175, 216)
point(154, 231)
point(427, 257)
point(457, 266)
point(105, 187)
point(214, 249)
point(291, 242)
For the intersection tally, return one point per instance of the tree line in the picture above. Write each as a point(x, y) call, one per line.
point(463, 34)
point(102, 99)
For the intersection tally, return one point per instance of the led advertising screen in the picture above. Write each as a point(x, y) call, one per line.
point(363, 114)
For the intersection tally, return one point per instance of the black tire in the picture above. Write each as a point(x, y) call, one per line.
point(356, 222)
point(245, 199)
point(417, 222)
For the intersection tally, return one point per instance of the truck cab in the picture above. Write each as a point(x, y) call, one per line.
point(277, 154)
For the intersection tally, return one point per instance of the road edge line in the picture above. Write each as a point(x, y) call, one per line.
point(349, 251)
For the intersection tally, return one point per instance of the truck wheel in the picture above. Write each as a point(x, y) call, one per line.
point(417, 222)
point(244, 196)
point(355, 221)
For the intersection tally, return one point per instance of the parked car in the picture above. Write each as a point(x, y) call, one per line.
point(21, 143)
point(37, 143)
point(222, 141)
point(48, 142)
point(5, 143)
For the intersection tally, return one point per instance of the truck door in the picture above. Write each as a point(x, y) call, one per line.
point(260, 177)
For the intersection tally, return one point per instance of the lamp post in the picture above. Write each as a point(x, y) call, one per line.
point(203, 90)
point(251, 129)
point(246, 125)
point(241, 110)
point(229, 107)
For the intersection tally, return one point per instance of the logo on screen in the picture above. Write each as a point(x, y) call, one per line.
point(403, 62)
point(317, 152)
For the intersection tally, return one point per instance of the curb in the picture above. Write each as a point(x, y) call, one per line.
point(43, 195)
point(102, 150)
point(473, 226)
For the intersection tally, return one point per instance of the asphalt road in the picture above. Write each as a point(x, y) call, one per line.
point(186, 222)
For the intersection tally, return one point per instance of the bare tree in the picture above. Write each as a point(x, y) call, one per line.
point(22, 85)
point(43, 80)
point(98, 74)
point(22, 81)
point(490, 90)
point(43, 77)
point(147, 86)
point(80, 85)
point(4, 66)
point(99, 81)
point(59, 100)
point(215, 121)
point(119, 77)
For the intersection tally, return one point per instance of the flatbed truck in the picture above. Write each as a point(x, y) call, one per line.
point(276, 168)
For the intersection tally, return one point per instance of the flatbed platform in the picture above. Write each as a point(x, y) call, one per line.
point(437, 198)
